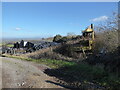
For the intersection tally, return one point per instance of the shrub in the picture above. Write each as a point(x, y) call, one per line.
point(78, 37)
point(107, 35)
point(57, 38)
point(64, 39)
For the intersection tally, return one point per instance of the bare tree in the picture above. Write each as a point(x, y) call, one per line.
point(107, 34)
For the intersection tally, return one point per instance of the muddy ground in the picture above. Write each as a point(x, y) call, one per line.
point(24, 74)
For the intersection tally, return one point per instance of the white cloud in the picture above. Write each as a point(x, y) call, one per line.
point(17, 28)
point(101, 18)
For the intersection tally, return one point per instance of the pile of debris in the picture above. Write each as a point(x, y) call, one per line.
point(43, 45)
point(23, 44)
point(25, 47)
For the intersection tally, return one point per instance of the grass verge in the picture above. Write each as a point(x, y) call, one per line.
point(52, 63)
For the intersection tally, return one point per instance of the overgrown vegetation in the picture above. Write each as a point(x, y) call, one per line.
point(67, 50)
point(86, 76)
point(107, 35)
point(49, 55)
point(57, 38)
point(62, 39)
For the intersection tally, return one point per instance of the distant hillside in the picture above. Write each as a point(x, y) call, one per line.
point(9, 40)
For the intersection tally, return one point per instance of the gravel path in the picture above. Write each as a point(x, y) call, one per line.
point(24, 74)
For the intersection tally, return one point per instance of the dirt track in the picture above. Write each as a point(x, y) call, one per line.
point(25, 74)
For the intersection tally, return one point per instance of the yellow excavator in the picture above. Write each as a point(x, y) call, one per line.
point(86, 44)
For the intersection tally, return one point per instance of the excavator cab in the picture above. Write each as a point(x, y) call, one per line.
point(88, 38)
point(89, 33)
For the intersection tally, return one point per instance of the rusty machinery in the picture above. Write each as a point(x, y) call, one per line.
point(86, 44)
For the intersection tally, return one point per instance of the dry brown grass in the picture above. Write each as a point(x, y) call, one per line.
point(47, 53)
point(42, 50)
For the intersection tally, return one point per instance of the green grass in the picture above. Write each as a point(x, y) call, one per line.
point(49, 62)
point(9, 45)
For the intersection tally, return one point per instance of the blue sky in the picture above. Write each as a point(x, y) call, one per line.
point(45, 19)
